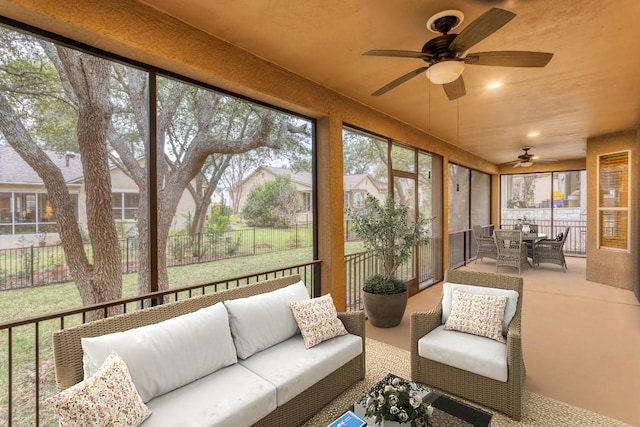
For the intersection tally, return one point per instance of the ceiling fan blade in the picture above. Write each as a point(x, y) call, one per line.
point(545, 160)
point(517, 165)
point(398, 53)
point(485, 25)
point(455, 89)
point(509, 58)
point(397, 82)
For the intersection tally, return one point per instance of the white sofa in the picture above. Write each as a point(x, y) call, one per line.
point(233, 358)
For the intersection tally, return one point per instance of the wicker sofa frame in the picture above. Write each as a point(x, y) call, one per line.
point(506, 396)
point(67, 349)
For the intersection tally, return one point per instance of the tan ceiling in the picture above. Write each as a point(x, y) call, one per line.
point(591, 87)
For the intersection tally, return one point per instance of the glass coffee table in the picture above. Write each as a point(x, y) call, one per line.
point(447, 412)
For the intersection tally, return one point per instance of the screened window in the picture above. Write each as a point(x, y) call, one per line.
point(306, 202)
point(358, 200)
point(613, 200)
point(206, 146)
point(5, 208)
point(553, 201)
point(28, 213)
point(416, 181)
point(124, 206)
point(402, 158)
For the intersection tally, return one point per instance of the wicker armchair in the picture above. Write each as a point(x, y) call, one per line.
point(486, 245)
point(551, 251)
point(512, 250)
point(503, 396)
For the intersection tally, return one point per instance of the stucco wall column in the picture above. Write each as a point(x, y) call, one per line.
point(612, 267)
point(330, 208)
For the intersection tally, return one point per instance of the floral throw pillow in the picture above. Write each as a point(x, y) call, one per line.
point(108, 398)
point(317, 319)
point(477, 314)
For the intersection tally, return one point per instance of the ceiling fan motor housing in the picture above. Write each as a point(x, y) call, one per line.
point(438, 48)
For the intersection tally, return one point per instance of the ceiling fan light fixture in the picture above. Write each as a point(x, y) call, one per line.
point(445, 71)
point(526, 164)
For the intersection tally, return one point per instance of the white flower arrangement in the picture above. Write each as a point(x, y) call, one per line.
point(395, 399)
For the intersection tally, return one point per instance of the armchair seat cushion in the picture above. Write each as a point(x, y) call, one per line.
point(473, 353)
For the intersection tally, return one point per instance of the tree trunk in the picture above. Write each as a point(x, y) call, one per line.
point(88, 76)
point(90, 79)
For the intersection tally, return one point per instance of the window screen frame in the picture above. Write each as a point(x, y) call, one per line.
point(623, 205)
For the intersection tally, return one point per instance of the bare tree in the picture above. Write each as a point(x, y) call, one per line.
point(109, 103)
point(85, 78)
point(189, 156)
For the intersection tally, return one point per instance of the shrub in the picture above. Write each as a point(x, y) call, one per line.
point(378, 284)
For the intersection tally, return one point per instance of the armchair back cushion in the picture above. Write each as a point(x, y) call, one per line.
point(261, 321)
point(510, 309)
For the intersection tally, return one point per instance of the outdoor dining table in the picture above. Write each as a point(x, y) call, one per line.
point(533, 237)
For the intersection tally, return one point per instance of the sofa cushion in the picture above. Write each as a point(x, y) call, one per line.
point(107, 398)
point(473, 353)
point(477, 314)
point(166, 355)
point(509, 311)
point(317, 319)
point(260, 321)
point(293, 368)
point(230, 397)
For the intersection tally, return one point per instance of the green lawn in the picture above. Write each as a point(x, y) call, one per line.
point(21, 303)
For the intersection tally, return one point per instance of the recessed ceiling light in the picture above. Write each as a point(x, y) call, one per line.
point(533, 134)
point(494, 85)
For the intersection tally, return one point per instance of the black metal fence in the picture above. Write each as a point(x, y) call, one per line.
point(359, 266)
point(41, 265)
point(27, 377)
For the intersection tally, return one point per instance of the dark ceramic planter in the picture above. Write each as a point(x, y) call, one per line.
point(385, 311)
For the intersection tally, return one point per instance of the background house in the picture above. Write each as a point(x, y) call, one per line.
point(24, 204)
point(26, 216)
point(356, 188)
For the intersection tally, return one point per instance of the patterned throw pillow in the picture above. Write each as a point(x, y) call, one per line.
point(317, 319)
point(477, 314)
point(108, 398)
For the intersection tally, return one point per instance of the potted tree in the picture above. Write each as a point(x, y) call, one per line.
point(389, 236)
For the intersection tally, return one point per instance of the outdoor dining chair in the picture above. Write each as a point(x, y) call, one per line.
point(552, 250)
point(512, 251)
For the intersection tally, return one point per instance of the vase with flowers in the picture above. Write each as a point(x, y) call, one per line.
point(396, 401)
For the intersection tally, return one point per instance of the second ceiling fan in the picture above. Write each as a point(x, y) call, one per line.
point(446, 55)
point(527, 159)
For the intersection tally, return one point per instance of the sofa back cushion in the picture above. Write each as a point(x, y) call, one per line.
point(169, 354)
point(509, 312)
point(261, 321)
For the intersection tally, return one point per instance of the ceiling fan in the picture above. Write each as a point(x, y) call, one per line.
point(527, 159)
point(446, 55)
